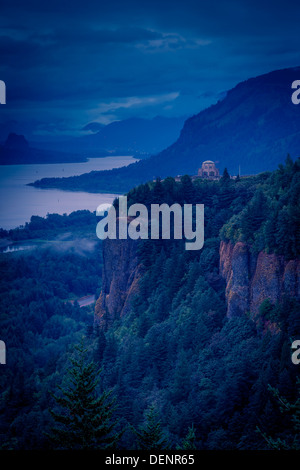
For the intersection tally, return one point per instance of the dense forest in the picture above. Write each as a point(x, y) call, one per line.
point(176, 372)
point(41, 320)
point(80, 223)
point(271, 219)
point(178, 351)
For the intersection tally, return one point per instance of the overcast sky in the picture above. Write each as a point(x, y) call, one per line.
point(66, 64)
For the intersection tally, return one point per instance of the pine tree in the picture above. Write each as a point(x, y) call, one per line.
point(254, 215)
point(158, 192)
point(85, 419)
point(293, 410)
point(101, 344)
point(188, 442)
point(225, 177)
point(270, 232)
point(283, 233)
point(187, 189)
point(151, 436)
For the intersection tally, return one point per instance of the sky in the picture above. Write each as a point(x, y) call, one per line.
point(66, 64)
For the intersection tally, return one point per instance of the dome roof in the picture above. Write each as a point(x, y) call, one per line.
point(208, 161)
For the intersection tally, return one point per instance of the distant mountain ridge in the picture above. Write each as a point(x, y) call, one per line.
point(254, 127)
point(16, 150)
point(136, 135)
point(133, 136)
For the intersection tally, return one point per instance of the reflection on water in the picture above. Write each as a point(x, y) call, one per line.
point(19, 202)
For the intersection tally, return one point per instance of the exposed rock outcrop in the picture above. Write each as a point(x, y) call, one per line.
point(121, 271)
point(16, 142)
point(251, 278)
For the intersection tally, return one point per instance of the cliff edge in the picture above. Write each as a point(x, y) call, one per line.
point(121, 271)
point(251, 278)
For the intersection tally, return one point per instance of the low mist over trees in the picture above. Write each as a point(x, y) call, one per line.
point(182, 373)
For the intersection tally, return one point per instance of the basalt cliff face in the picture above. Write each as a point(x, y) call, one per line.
point(121, 271)
point(251, 278)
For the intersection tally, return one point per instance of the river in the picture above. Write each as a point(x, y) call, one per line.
point(19, 202)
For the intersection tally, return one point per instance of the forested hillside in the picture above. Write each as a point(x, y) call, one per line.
point(175, 361)
point(271, 219)
point(178, 351)
point(40, 320)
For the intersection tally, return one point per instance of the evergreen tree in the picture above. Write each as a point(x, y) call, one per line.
point(151, 436)
point(270, 233)
point(85, 418)
point(158, 192)
point(225, 177)
point(187, 189)
point(293, 410)
point(188, 442)
point(253, 215)
point(101, 344)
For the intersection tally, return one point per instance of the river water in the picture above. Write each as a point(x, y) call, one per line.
point(19, 202)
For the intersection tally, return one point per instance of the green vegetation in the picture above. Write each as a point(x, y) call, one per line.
point(292, 441)
point(270, 220)
point(150, 436)
point(84, 418)
point(188, 443)
point(177, 351)
point(79, 223)
point(183, 374)
point(39, 326)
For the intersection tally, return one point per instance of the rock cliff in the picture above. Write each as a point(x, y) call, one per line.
point(251, 278)
point(121, 271)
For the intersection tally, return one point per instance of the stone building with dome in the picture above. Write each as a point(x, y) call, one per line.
point(209, 171)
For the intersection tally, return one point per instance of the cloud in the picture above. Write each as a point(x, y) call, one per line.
point(114, 110)
point(67, 64)
point(169, 42)
point(136, 101)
